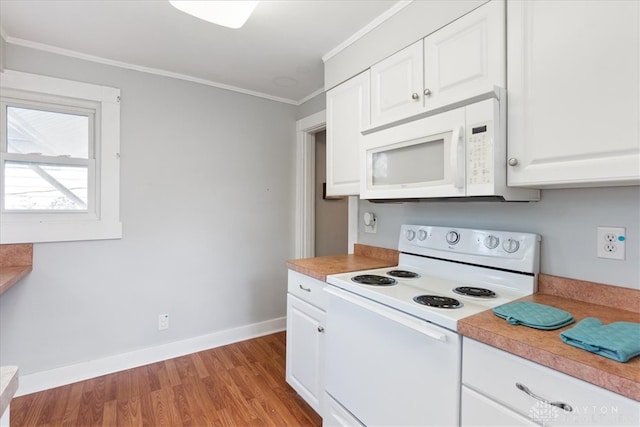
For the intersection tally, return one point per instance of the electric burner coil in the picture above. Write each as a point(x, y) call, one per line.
point(437, 301)
point(472, 291)
point(403, 274)
point(374, 280)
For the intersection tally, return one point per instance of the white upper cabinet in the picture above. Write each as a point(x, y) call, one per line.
point(347, 115)
point(459, 61)
point(467, 57)
point(397, 85)
point(574, 93)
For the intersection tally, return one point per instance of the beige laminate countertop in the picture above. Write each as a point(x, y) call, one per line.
point(9, 276)
point(543, 347)
point(15, 263)
point(546, 347)
point(364, 258)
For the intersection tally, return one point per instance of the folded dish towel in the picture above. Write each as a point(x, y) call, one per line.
point(618, 341)
point(533, 315)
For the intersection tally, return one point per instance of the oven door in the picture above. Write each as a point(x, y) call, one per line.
point(386, 367)
point(419, 159)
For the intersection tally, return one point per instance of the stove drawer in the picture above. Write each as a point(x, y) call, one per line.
point(494, 373)
point(307, 289)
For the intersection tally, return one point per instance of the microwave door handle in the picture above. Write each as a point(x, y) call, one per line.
point(457, 157)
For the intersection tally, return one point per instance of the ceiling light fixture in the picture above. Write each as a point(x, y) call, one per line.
point(232, 14)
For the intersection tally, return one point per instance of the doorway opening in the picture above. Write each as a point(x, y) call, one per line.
point(306, 130)
point(331, 213)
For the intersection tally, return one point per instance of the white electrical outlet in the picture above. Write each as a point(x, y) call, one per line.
point(163, 322)
point(611, 242)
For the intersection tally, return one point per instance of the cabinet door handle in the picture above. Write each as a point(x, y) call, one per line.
point(320, 329)
point(513, 161)
point(305, 289)
point(560, 405)
point(427, 92)
point(415, 96)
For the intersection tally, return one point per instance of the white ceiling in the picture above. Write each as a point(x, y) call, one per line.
point(277, 54)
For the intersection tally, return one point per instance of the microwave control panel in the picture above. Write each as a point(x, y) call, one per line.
point(480, 164)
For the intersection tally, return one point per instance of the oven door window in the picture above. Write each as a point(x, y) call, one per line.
point(413, 162)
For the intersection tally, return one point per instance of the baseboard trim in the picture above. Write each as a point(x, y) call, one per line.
point(52, 378)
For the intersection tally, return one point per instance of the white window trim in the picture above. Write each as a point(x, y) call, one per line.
point(33, 227)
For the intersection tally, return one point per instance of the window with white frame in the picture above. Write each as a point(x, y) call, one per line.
point(59, 160)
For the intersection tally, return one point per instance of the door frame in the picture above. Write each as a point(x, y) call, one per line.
point(306, 128)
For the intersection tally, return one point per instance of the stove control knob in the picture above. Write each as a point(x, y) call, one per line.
point(422, 235)
point(410, 234)
point(453, 237)
point(491, 241)
point(510, 245)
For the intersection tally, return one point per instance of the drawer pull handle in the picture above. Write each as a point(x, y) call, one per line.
point(560, 405)
point(320, 329)
point(305, 289)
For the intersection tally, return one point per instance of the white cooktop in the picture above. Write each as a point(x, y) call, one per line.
point(443, 266)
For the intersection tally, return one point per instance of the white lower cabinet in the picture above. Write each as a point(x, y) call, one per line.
point(490, 396)
point(305, 338)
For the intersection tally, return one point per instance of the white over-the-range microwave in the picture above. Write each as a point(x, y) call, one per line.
point(459, 153)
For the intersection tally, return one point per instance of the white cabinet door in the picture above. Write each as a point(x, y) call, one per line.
point(478, 410)
point(464, 59)
point(467, 57)
point(347, 115)
point(574, 93)
point(305, 341)
point(396, 85)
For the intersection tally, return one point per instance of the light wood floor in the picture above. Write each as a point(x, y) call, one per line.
point(240, 384)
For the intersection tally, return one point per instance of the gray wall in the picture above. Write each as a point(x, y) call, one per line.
point(207, 204)
point(3, 46)
point(331, 227)
point(312, 106)
point(566, 219)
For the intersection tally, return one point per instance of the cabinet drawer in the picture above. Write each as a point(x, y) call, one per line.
point(307, 289)
point(495, 373)
point(478, 410)
point(336, 416)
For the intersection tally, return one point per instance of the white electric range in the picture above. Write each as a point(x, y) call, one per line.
point(503, 263)
point(393, 354)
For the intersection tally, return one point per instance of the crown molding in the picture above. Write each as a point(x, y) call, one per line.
point(311, 95)
point(367, 29)
point(149, 70)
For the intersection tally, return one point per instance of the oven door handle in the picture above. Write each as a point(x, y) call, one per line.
point(388, 313)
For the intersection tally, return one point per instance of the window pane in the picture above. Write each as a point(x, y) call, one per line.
point(48, 133)
point(36, 186)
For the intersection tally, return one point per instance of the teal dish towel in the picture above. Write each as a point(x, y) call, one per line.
point(618, 341)
point(533, 315)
